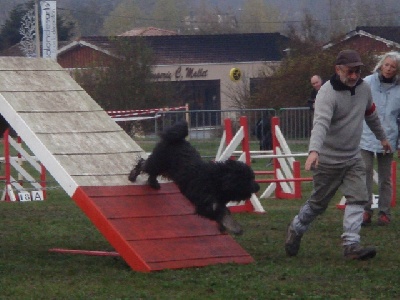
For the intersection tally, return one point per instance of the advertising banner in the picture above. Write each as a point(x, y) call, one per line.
point(49, 24)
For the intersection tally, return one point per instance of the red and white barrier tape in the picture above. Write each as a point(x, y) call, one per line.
point(141, 112)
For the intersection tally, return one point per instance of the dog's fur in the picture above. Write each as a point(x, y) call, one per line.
point(208, 185)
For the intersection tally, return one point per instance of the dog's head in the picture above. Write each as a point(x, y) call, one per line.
point(237, 181)
point(176, 133)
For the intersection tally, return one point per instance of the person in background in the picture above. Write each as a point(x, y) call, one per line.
point(316, 82)
point(264, 135)
point(385, 87)
point(334, 155)
point(263, 132)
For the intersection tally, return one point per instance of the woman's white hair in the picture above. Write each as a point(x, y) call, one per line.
point(392, 55)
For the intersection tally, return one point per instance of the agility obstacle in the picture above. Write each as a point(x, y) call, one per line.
point(37, 190)
point(375, 197)
point(286, 174)
point(90, 156)
point(286, 181)
point(226, 149)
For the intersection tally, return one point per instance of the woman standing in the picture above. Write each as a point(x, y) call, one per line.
point(385, 87)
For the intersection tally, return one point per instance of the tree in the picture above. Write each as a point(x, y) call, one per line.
point(6, 7)
point(311, 32)
point(127, 81)
point(10, 34)
point(289, 86)
point(28, 32)
point(346, 15)
point(166, 14)
point(89, 14)
point(169, 14)
point(208, 20)
point(126, 16)
point(257, 16)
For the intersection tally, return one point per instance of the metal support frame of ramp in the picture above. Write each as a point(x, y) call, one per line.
point(90, 156)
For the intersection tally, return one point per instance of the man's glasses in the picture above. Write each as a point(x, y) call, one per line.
point(351, 71)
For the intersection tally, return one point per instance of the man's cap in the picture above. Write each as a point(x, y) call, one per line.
point(349, 58)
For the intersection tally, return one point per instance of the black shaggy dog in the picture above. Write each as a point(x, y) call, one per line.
point(208, 185)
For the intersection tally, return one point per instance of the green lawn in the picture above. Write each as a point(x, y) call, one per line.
point(29, 271)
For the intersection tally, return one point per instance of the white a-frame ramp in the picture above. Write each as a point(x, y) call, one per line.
point(90, 156)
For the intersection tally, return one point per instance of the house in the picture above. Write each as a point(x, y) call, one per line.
point(370, 38)
point(210, 66)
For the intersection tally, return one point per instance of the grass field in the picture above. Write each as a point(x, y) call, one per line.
point(29, 271)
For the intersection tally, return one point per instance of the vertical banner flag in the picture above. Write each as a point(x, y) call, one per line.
point(49, 24)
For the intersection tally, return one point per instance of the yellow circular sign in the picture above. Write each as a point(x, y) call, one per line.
point(235, 74)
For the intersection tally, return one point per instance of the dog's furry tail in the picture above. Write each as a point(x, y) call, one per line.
point(176, 133)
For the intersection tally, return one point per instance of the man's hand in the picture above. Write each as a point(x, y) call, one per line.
point(312, 160)
point(386, 147)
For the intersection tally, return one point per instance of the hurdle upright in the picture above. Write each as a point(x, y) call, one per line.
point(228, 144)
point(286, 181)
point(38, 188)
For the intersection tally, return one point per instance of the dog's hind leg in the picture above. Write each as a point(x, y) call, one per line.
point(136, 170)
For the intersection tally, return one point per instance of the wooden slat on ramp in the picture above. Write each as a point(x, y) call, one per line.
point(90, 156)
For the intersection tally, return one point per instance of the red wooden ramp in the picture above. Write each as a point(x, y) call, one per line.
point(157, 229)
point(90, 156)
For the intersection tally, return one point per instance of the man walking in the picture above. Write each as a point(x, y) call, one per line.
point(334, 154)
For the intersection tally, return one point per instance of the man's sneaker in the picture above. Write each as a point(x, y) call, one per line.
point(355, 251)
point(383, 220)
point(292, 243)
point(367, 216)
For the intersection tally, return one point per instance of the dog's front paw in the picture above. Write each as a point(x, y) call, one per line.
point(133, 175)
point(136, 170)
point(228, 223)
